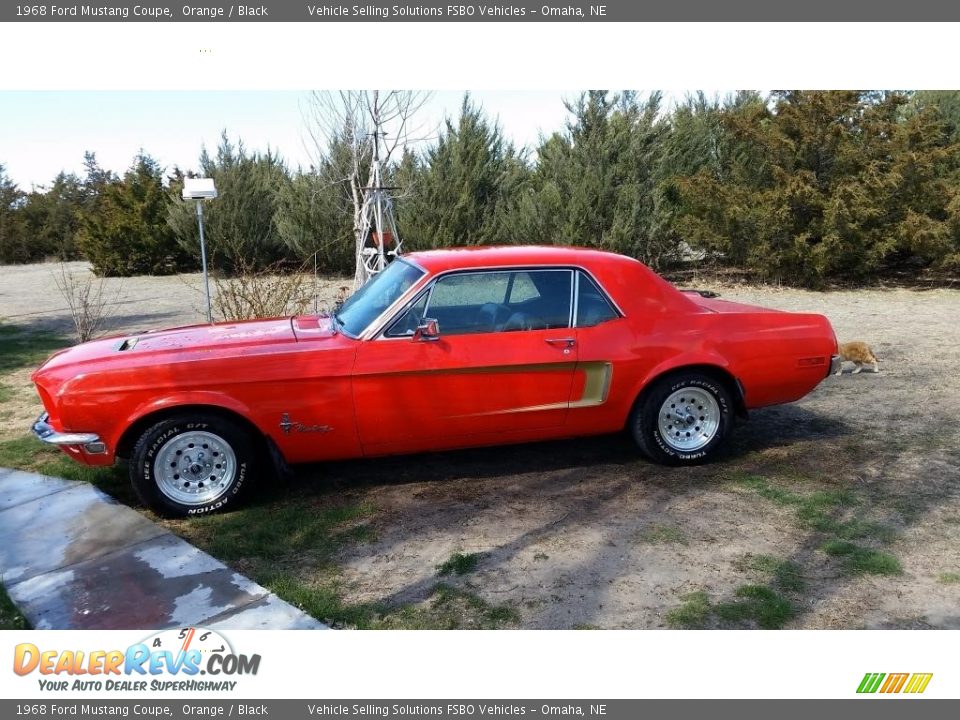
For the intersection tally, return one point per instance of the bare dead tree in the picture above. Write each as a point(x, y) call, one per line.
point(355, 118)
point(262, 293)
point(84, 294)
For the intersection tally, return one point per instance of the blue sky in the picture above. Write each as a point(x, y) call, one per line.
point(42, 133)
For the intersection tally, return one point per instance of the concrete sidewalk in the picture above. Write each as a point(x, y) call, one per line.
point(71, 557)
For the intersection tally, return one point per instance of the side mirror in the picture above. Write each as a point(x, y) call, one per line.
point(428, 330)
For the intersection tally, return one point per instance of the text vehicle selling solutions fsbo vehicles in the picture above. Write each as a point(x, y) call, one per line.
point(443, 349)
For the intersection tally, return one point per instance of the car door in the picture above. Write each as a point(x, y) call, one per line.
point(501, 367)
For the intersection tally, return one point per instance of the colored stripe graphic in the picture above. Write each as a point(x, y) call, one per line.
point(870, 682)
point(918, 683)
point(895, 683)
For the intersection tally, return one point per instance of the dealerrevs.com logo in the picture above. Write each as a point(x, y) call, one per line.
point(891, 683)
point(183, 654)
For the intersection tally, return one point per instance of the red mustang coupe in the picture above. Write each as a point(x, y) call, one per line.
point(443, 349)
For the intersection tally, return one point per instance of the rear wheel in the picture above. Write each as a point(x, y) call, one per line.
point(683, 419)
point(193, 464)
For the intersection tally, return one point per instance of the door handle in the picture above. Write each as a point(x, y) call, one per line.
point(565, 342)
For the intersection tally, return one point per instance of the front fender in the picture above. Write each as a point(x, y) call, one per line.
point(181, 399)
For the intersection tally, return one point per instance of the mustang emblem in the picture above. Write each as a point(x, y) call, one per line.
point(287, 425)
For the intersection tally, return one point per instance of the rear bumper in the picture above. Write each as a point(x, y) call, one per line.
point(90, 442)
point(835, 363)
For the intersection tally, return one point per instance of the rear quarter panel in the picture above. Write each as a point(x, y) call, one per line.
point(778, 357)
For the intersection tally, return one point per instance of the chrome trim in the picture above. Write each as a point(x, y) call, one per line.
point(835, 364)
point(390, 312)
point(574, 300)
point(45, 432)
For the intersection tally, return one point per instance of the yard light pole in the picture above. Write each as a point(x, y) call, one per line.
point(201, 189)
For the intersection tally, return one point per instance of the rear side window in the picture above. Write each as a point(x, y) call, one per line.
point(593, 307)
point(522, 288)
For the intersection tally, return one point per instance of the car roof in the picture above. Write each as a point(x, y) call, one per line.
point(436, 261)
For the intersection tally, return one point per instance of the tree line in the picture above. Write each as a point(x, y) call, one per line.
point(801, 187)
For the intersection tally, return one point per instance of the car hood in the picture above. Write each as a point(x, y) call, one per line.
point(193, 340)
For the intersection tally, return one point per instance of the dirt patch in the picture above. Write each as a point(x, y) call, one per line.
point(587, 534)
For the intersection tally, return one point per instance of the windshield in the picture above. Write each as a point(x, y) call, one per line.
point(379, 293)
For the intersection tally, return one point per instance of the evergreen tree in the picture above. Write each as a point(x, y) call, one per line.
point(315, 211)
point(463, 190)
point(239, 226)
point(834, 185)
point(123, 230)
point(13, 241)
point(596, 182)
point(51, 218)
point(946, 103)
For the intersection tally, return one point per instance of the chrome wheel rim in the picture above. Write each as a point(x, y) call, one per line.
point(195, 468)
point(689, 419)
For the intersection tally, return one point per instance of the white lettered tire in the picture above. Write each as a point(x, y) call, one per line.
point(683, 419)
point(193, 464)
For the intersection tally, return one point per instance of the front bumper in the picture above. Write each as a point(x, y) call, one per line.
point(90, 442)
point(835, 364)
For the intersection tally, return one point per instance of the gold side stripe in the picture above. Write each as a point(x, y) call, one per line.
point(595, 391)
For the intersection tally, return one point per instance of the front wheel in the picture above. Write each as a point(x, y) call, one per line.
point(683, 419)
point(192, 464)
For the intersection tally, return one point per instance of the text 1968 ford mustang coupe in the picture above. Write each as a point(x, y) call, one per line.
point(443, 349)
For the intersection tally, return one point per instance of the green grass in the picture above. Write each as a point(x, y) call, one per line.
point(445, 608)
point(449, 608)
point(459, 564)
point(862, 560)
point(10, 617)
point(831, 513)
point(7, 393)
point(28, 453)
point(280, 529)
point(693, 614)
point(784, 574)
point(661, 535)
point(21, 348)
point(949, 578)
point(754, 606)
point(321, 598)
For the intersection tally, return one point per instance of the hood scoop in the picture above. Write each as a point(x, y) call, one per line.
point(126, 344)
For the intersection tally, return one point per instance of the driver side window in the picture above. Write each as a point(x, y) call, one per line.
point(407, 323)
point(468, 303)
point(497, 301)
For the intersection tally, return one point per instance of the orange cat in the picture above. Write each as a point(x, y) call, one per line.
point(858, 353)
